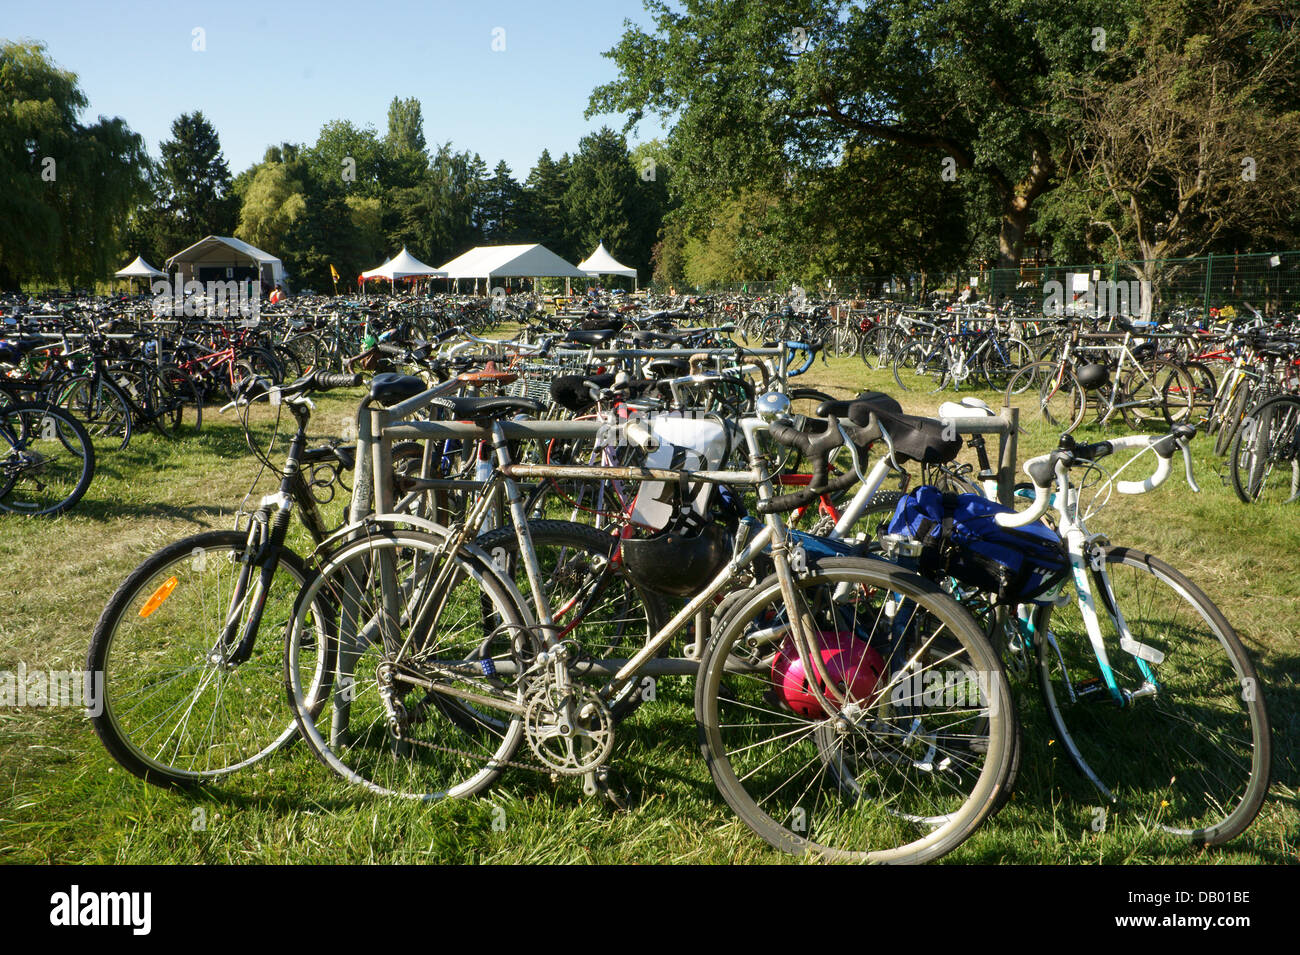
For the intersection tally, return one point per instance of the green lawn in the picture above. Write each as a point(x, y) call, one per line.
point(62, 799)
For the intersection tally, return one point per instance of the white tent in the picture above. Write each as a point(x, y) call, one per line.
point(216, 256)
point(139, 269)
point(510, 261)
point(601, 262)
point(403, 266)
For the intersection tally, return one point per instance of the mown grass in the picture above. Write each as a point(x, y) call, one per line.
point(62, 799)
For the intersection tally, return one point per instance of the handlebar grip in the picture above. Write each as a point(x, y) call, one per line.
point(1161, 474)
point(1042, 491)
point(388, 349)
point(327, 380)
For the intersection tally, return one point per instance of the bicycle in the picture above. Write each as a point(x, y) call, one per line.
point(449, 672)
point(189, 693)
point(1154, 698)
point(47, 460)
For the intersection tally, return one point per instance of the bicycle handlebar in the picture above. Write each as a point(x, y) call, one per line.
point(818, 449)
point(1054, 465)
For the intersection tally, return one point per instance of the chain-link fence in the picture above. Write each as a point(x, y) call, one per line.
point(1268, 282)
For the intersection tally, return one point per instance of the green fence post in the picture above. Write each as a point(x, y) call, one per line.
point(1205, 305)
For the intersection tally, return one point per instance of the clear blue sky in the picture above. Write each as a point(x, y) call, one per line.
point(276, 72)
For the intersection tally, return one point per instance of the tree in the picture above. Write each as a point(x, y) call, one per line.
point(755, 85)
point(1190, 131)
point(66, 190)
point(501, 207)
point(543, 213)
point(408, 156)
point(198, 191)
point(607, 201)
point(275, 199)
point(348, 160)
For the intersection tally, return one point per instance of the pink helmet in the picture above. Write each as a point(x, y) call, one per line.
point(852, 664)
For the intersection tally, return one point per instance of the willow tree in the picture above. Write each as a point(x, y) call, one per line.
point(66, 189)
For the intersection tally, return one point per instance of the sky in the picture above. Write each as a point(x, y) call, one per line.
point(272, 72)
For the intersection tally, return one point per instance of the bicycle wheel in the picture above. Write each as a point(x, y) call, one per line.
point(101, 407)
point(1265, 453)
point(1046, 390)
point(1230, 421)
point(175, 710)
point(1001, 362)
point(47, 460)
point(1161, 393)
point(592, 597)
point(1189, 749)
point(426, 701)
point(179, 407)
point(922, 367)
point(881, 345)
point(906, 769)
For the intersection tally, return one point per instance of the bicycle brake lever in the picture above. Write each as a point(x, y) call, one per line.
point(1187, 465)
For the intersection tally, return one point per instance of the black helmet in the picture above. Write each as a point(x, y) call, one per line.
point(678, 563)
point(1093, 375)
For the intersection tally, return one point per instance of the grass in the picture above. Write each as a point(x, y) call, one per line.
point(63, 799)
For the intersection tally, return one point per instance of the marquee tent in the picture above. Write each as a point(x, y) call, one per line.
point(139, 269)
point(221, 258)
point(402, 266)
point(510, 261)
point(601, 262)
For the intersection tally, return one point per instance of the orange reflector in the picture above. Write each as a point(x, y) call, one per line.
point(158, 596)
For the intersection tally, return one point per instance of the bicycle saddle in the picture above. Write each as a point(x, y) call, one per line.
point(668, 368)
point(594, 337)
point(388, 388)
point(840, 409)
point(914, 438)
point(571, 391)
point(491, 409)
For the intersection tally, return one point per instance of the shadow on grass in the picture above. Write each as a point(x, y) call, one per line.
point(192, 513)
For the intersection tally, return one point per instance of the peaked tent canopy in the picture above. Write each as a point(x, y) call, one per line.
point(218, 256)
point(402, 266)
point(139, 269)
point(510, 261)
point(601, 262)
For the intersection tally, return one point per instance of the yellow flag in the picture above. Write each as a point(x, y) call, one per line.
point(334, 272)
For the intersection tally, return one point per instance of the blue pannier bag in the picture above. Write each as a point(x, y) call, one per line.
point(962, 540)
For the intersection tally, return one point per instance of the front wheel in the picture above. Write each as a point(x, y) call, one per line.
point(1186, 746)
point(912, 758)
point(175, 708)
point(1265, 453)
point(47, 460)
point(1050, 390)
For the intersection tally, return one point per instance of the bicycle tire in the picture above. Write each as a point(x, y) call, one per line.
point(155, 644)
point(447, 747)
point(1265, 453)
point(100, 406)
point(857, 786)
point(1194, 760)
point(1231, 419)
point(922, 367)
point(47, 460)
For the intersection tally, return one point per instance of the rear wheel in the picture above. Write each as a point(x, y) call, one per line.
point(921, 367)
point(593, 599)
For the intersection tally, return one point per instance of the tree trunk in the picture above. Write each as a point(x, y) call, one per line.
point(1011, 243)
